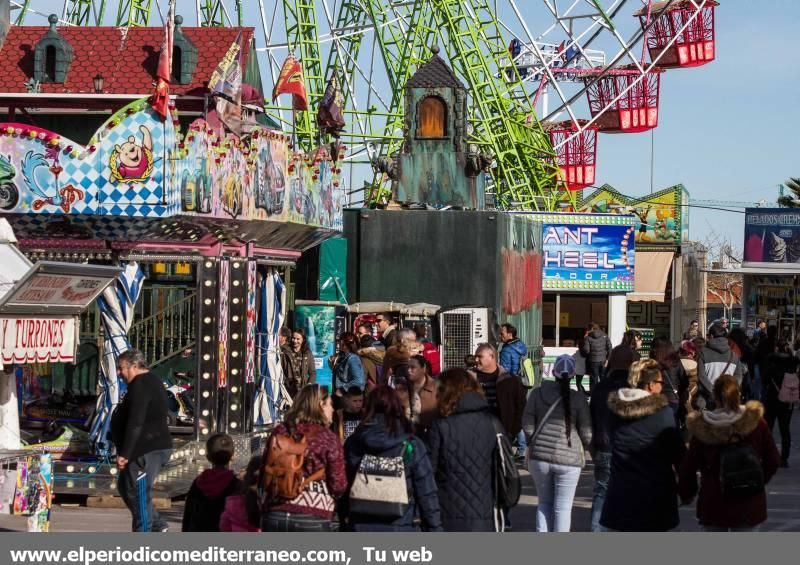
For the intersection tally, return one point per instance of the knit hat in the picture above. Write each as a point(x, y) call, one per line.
point(564, 367)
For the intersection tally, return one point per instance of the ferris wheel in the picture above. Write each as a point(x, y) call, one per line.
point(543, 76)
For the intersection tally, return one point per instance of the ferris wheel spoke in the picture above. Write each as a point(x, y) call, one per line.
point(547, 68)
point(652, 66)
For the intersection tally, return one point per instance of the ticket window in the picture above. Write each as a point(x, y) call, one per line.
point(566, 317)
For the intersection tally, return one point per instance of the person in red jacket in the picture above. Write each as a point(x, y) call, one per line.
point(712, 430)
point(429, 350)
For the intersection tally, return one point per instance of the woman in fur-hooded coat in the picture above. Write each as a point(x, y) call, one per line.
point(710, 431)
point(646, 448)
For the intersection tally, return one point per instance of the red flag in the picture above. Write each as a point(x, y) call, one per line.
point(160, 99)
point(291, 82)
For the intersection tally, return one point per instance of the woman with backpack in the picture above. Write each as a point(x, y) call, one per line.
point(384, 441)
point(734, 452)
point(462, 445)
point(646, 450)
point(303, 499)
point(779, 381)
point(558, 427)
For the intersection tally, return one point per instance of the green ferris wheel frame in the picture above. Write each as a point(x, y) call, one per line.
point(503, 122)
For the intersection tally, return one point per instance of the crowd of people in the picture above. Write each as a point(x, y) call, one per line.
point(395, 445)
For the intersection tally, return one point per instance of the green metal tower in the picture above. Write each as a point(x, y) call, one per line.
point(134, 13)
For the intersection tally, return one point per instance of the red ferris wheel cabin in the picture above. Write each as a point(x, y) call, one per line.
point(693, 43)
point(576, 151)
point(621, 100)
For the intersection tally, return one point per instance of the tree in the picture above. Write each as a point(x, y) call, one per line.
point(724, 286)
point(792, 200)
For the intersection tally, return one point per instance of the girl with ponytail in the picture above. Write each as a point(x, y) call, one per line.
point(558, 427)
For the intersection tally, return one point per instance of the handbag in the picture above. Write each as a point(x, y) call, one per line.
point(507, 481)
point(539, 428)
point(379, 488)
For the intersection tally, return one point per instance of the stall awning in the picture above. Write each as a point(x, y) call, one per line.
point(652, 270)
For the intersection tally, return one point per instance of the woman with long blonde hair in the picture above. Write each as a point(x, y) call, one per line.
point(646, 449)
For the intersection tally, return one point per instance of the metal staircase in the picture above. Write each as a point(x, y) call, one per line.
point(167, 332)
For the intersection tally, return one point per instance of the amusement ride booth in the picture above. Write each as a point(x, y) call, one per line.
point(40, 305)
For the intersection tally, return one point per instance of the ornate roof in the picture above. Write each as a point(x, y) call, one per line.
point(435, 74)
point(128, 66)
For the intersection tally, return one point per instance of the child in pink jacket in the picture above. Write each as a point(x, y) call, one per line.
point(242, 511)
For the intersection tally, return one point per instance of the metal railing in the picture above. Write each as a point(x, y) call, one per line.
point(167, 332)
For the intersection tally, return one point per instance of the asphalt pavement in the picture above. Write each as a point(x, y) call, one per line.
point(783, 506)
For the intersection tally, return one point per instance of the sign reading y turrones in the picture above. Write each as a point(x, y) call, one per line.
point(593, 252)
point(35, 339)
point(38, 314)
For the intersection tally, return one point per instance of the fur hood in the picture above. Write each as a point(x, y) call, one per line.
point(719, 427)
point(373, 354)
point(634, 403)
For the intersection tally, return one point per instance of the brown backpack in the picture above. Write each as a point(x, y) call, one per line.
point(282, 471)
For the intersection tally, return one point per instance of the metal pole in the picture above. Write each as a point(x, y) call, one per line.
point(652, 157)
point(558, 319)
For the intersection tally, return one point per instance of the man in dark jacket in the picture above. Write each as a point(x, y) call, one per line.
point(388, 330)
point(622, 357)
point(504, 392)
point(141, 435)
point(596, 348)
point(512, 355)
point(716, 359)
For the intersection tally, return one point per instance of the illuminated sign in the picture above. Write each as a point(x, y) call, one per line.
point(588, 252)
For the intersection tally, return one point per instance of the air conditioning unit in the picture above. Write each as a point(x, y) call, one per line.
point(461, 330)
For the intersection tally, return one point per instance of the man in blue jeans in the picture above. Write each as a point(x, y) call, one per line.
point(141, 435)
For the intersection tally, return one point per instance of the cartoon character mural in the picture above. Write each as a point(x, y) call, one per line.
point(131, 161)
point(137, 165)
point(662, 215)
point(9, 195)
point(270, 182)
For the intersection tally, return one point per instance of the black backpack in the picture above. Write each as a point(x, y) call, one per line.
point(740, 470)
point(507, 481)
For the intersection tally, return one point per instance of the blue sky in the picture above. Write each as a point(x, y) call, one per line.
point(727, 130)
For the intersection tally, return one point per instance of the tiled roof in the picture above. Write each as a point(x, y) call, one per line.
point(434, 74)
point(127, 67)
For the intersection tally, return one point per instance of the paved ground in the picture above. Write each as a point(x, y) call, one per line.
point(784, 507)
